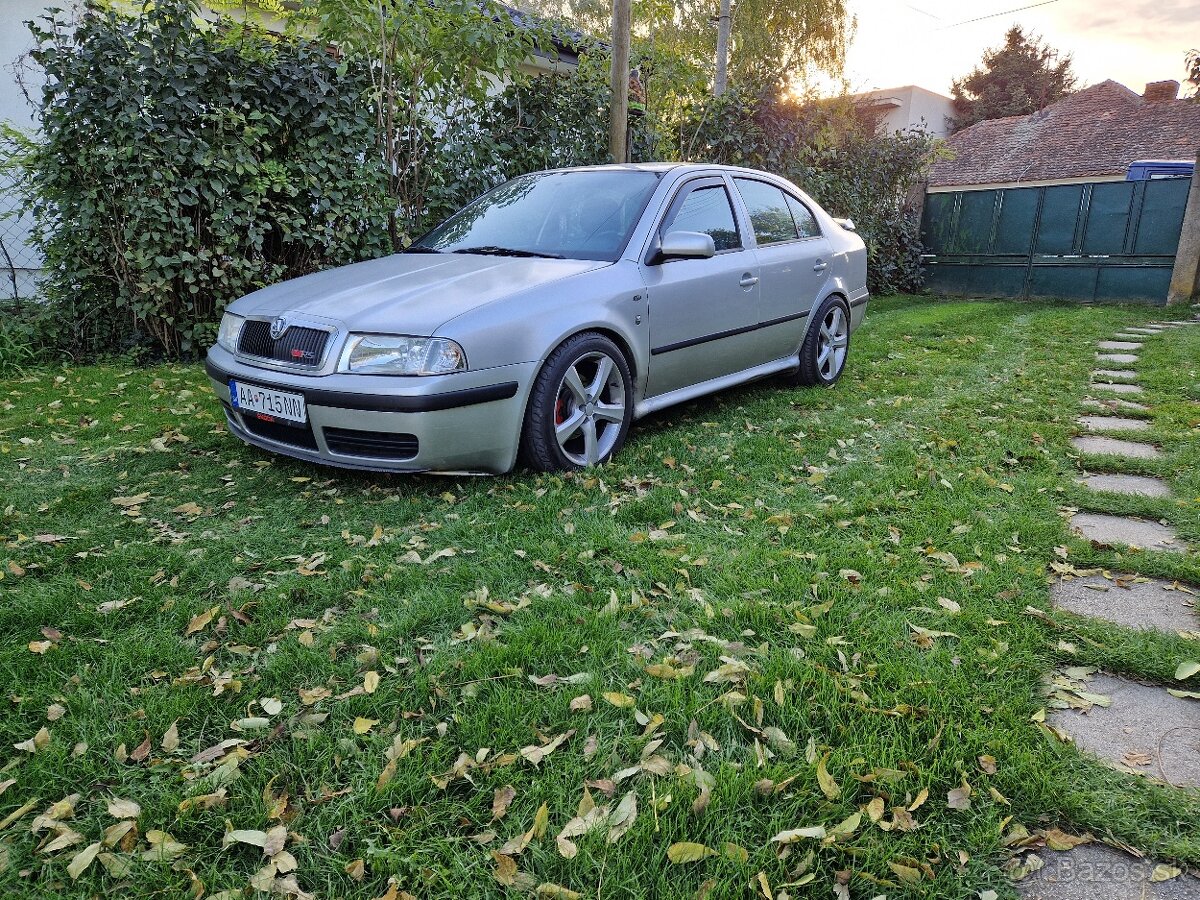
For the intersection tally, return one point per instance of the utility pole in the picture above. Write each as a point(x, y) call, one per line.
point(724, 25)
point(618, 124)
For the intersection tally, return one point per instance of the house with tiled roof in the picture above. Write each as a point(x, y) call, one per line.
point(1091, 135)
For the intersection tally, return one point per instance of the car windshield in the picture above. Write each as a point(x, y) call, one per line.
point(573, 215)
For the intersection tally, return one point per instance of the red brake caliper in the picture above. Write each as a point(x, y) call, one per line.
point(559, 416)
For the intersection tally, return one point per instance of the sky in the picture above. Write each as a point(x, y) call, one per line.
point(1132, 41)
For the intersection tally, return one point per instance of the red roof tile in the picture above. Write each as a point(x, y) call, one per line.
point(1097, 131)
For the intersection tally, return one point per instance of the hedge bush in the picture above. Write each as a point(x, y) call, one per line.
point(182, 166)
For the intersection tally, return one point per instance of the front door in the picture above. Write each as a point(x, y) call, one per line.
point(702, 311)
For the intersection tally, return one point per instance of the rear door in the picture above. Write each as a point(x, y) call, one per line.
point(702, 311)
point(793, 260)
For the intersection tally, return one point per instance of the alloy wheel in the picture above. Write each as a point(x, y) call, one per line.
point(832, 342)
point(589, 409)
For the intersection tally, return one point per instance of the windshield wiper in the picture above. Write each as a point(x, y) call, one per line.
point(415, 249)
point(506, 251)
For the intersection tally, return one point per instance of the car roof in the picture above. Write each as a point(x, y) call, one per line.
point(662, 167)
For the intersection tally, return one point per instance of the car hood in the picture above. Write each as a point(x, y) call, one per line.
point(407, 293)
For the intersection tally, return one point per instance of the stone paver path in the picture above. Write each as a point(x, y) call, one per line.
point(1120, 531)
point(1132, 485)
point(1116, 387)
point(1134, 727)
point(1112, 423)
point(1144, 729)
point(1144, 603)
point(1106, 446)
point(1114, 403)
point(1100, 872)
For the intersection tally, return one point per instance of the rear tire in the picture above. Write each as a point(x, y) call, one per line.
point(826, 346)
point(580, 407)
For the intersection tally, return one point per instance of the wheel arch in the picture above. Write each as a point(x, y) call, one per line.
point(611, 334)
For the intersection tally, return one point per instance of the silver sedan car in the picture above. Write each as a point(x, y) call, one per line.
point(540, 321)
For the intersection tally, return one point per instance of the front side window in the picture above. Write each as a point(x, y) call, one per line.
point(806, 222)
point(707, 210)
point(769, 213)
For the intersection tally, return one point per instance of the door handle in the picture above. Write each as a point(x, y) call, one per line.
point(748, 280)
point(820, 266)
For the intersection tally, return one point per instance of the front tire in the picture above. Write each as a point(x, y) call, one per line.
point(826, 346)
point(580, 407)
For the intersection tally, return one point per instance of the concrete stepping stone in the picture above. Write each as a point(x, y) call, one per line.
point(1117, 357)
point(1099, 872)
point(1117, 387)
point(1130, 485)
point(1124, 531)
point(1119, 345)
point(1112, 423)
point(1106, 446)
point(1145, 330)
point(1128, 337)
point(1114, 403)
point(1143, 730)
point(1178, 322)
point(1101, 374)
point(1146, 604)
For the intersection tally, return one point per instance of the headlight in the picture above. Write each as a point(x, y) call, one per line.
point(227, 334)
point(377, 354)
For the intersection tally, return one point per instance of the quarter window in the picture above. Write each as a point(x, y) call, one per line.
point(769, 213)
point(806, 223)
point(707, 210)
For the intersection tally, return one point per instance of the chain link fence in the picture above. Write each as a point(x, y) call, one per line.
point(20, 263)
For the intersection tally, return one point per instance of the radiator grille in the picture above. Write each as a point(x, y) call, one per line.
point(298, 346)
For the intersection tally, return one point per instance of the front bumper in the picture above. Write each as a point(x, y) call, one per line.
point(468, 422)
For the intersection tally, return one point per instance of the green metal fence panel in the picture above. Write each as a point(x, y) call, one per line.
point(1059, 220)
point(1108, 218)
point(1162, 217)
point(1095, 241)
point(1018, 215)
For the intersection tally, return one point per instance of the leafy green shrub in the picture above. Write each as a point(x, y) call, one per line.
point(183, 165)
point(834, 155)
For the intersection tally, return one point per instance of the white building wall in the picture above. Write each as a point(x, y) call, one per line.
point(911, 107)
point(15, 42)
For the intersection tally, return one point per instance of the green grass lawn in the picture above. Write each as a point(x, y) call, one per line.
point(721, 627)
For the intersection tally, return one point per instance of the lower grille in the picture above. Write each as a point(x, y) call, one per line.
point(298, 346)
point(375, 444)
point(283, 434)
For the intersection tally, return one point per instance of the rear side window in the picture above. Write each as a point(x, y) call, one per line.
point(707, 210)
point(769, 213)
point(806, 222)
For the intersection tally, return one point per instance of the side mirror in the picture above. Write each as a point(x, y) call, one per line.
point(686, 245)
point(846, 224)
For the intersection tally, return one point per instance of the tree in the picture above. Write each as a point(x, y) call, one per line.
point(1193, 70)
point(1019, 78)
point(431, 65)
point(770, 42)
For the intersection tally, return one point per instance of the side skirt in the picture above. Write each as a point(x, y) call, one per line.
point(692, 391)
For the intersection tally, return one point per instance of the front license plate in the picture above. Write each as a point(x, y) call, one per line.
point(268, 403)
